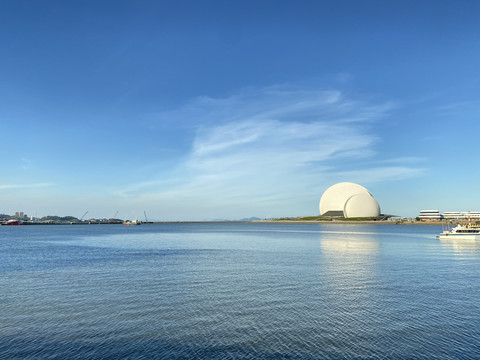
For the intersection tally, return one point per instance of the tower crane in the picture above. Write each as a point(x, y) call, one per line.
point(86, 212)
point(113, 219)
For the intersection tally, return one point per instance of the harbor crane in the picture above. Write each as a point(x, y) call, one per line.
point(86, 212)
point(114, 220)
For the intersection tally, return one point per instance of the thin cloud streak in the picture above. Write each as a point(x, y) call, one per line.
point(24, 186)
point(382, 174)
point(403, 160)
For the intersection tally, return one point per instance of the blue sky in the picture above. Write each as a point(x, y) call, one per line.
point(200, 110)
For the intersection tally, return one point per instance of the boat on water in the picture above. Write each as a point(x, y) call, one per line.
point(132, 222)
point(13, 222)
point(460, 232)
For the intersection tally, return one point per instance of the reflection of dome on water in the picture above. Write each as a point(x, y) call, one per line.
point(348, 200)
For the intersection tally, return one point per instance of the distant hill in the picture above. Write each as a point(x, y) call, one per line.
point(250, 219)
point(59, 218)
point(244, 219)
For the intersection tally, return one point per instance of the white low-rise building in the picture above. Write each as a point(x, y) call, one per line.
point(461, 215)
point(448, 215)
point(430, 215)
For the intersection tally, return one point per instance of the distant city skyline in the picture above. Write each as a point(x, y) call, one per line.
point(226, 110)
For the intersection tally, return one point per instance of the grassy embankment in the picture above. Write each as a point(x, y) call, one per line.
point(326, 218)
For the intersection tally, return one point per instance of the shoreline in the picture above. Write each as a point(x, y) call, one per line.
point(336, 222)
point(331, 222)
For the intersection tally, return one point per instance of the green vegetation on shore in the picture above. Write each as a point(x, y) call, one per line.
point(328, 218)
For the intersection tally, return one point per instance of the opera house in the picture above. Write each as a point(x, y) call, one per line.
point(348, 200)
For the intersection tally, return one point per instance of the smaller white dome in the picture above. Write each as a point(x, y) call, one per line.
point(361, 205)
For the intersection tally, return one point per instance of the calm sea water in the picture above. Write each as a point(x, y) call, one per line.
point(237, 291)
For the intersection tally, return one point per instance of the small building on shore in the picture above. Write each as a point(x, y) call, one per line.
point(461, 215)
point(430, 215)
point(435, 215)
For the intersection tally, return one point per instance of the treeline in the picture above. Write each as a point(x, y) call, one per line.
point(59, 218)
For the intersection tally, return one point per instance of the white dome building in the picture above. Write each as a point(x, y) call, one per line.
point(348, 200)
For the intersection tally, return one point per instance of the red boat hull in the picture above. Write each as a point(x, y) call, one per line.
point(12, 223)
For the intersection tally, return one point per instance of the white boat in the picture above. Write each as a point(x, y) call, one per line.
point(460, 232)
point(132, 222)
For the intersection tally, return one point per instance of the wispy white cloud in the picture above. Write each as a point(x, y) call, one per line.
point(272, 146)
point(450, 109)
point(281, 102)
point(403, 160)
point(24, 186)
point(381, 174)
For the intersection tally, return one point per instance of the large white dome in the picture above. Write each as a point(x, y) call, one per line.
point(334, 201)
point(361, 205)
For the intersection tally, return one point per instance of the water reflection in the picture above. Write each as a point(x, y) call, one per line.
point(350, 263)
point(343, 245)
point(350, 259)
point(462, 247)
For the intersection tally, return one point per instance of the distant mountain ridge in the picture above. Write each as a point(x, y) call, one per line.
point(244, 219)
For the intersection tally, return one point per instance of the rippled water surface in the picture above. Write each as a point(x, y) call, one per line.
point(237, 291)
